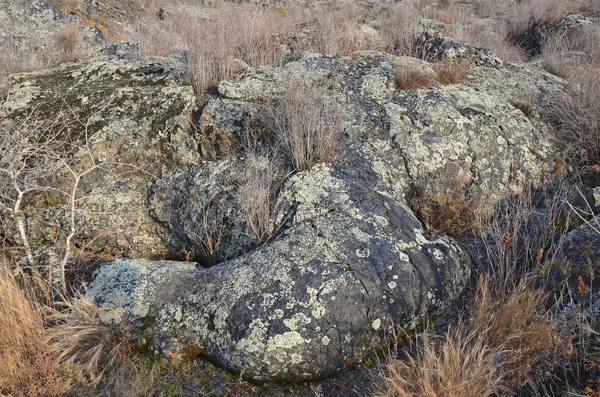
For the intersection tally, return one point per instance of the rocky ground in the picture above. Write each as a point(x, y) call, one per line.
point(273, 228)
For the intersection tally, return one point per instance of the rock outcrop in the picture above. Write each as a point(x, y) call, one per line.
point(353, 263)
point(348, 261)
point(129, 115)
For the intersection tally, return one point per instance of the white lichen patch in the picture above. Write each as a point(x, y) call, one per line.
point(360, 235)
point(363, 252)
point(296, 321)
point(392, 284)
point(286, 340)
point(376, 324)
point(325, 340)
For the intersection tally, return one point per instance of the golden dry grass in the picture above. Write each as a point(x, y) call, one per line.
point(451, 72)
point(45, 351)
point(458, 364)
point(495, 348)
point(27, 367)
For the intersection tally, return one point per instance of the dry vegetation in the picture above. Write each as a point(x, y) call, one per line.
point(515, 333)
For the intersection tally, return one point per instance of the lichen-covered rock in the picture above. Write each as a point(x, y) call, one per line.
point(471, 131)
point(130, 116)
point(583, 244)
point(198, 204)
point(434, 47)
point(352, 263)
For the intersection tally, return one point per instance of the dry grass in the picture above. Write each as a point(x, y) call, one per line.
point(27, 366)
point(257, 194)
point(69, 40)
point(412, 78)
point(218, 39)
point(306, 126)
point(45, 351)
point(459, 364)
point(451, 211)
point(578, 117)
point(451, 72)
point(398, 25)
point(498, 348)
point(514, 318)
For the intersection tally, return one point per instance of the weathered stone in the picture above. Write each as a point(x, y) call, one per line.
point(131, 116)
point(352, 263)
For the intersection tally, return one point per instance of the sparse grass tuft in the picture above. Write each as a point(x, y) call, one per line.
point(451, 72)
point(305, 125)
point(412, 78)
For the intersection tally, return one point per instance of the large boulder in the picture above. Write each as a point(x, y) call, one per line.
point(352, 264)
point(129, 116)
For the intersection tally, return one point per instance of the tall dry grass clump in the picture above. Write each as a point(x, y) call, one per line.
point(458, 364)
point(47, 351)
point(28, 367)
point(514, 318)
point(498, 346)
point(305, 125)
point(257, 195)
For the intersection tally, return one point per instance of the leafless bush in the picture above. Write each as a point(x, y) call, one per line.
point(69, 40)
point(305, 126)
point(399, 23)
point(257, 194)
point(526, 231)
point(412, 77)
point(36, 159)
point(578, 117)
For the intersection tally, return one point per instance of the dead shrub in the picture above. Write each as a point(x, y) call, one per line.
point(577, 115)
point(257, 194)
point(451, 72)
point(306, 127)
point(412, 78)
point(69, 40)
point(459, 364)
point(451, 211)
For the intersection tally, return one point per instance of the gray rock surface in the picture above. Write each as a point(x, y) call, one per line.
point(471, 130)
point(325, 294)
point(131, 116)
